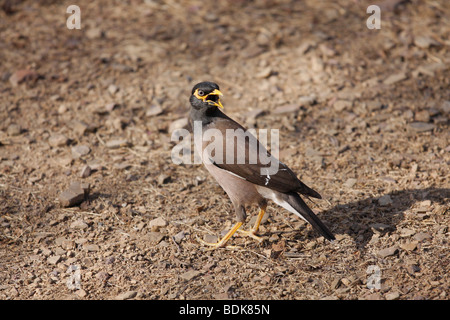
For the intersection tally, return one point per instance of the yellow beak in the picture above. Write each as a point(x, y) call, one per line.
point(216, 93)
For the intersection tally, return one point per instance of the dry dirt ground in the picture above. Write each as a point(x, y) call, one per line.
point(363, 118)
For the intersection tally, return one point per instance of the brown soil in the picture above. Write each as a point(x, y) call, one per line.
point(363, 116)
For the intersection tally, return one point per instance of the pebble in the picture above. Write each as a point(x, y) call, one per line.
point(392, 296)
point(113, 89)
point(392, 79)
point(14, 130)
point(290, 108)
point(74, 195)
point(189, 275)
point(422, 116)
point(126, 295)
point(163, 179)
point(421, 126)
point(53, 259)
point(350, 183)
point(117, 143)
point(264, 73)
point(79, 151)
point(157, 223)
point(153, 110)
point(421, 236)
point(58, 140)
point(387, 252)
point(79, 224)
point(91, 247)
point(21, 76)
point(425, 42)
point(409, 246)
point(154, 237)
point(341, 105)
point(85, 171)
point(385, 200)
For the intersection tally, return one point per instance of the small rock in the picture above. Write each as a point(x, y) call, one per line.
point(392, 296)
point(79, 224)
point(91, 247)
point(409, 246)
point(81, 293)
point(21, 76)
point(179, 236)
point(54, 259)
point(126, 295)
point(385, 200)
point(14, 130)
point(85, 171)
point(58, 140)
point(387, 252)
point(425, 42)
point(380, 227)
point(421, 236)
point(117, 143)
point(154, 237)
point(350, 183)
point(290, 108)
point(113, 89)
point(74, 195)
point(405, 232)
point(307, 100)
point(157, 223)
point(421, 126)
point(79, 151)
point(392, 79)
point(189, 275)
point(264, 73)
point(153, 110)
point(422, 116)
point(341, 105)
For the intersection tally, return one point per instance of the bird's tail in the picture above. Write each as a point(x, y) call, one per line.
point(302, 210)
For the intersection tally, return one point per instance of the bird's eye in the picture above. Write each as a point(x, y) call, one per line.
point(201, 93)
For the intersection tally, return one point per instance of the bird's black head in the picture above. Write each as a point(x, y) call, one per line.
point(205, 95)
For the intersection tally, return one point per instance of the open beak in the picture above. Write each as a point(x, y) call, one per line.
point(213, 102)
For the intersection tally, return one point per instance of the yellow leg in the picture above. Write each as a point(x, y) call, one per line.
point(221, 243)
point(253, 231)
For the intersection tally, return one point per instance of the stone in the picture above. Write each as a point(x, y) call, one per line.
point(153, 110)
point(79, 151)
point(74, 195)
point(85, 171)
point(341, 105)
point(58, 140)
point(189, 275)
point(21, 76)
point(350, 183)
point(421, 126)
point(79, 224)
point(14, 130)
point(54, 259)
point(422, 116)
point(385, 200)
point(157, 223)
point(409, 246)
point(387, 252)
point(290, 108)
point(126, 295)
point(394, 78)
point(117, 143)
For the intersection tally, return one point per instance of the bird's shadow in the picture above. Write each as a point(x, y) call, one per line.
point(359, 218)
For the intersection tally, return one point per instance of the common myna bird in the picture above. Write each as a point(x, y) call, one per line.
point(246, 182)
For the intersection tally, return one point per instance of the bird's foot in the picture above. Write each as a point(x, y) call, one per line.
point(216, 245)
point(252, 234)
